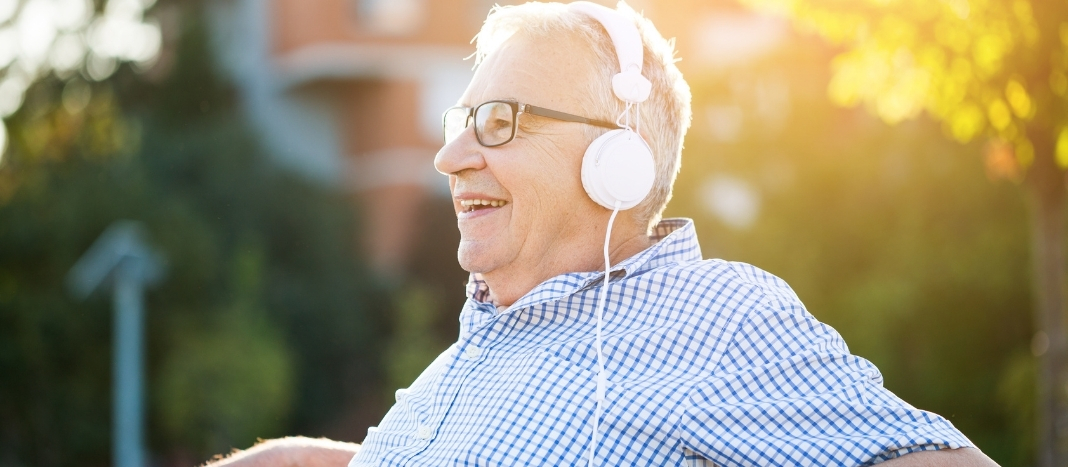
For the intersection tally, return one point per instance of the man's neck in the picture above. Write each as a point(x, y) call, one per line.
point(508, 286)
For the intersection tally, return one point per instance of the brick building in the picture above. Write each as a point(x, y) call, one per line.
point(350, 92)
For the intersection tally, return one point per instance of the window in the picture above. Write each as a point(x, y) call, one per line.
point(391, 17)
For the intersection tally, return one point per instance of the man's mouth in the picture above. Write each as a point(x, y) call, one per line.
point(471, 205)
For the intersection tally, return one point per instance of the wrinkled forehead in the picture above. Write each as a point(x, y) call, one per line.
point(548, 72)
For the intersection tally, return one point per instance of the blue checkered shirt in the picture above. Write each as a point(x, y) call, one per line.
point(709, 362)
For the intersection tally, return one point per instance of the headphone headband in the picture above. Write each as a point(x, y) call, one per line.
point(629, 85)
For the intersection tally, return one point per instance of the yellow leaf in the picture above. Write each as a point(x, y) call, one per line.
point(966, 122)
point(1025, 15)
point(1018, 98)
point(933, 58)
point(961, 8)
point(897, 30)
point(961, 70)
point(1062, 148)
point(953, 36)
point(988, 52)
point(1023, 10)
point(904, 98)
point(999, 115)
point(843, 88)
point(858, 74)
point(837, 27)
point(1058, 82)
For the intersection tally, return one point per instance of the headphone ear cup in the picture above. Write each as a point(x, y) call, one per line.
point(618, 168)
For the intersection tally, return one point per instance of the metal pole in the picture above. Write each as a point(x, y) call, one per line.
point(122, 260)
point(128, 422)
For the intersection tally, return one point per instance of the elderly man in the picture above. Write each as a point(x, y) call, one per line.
point(594, 333)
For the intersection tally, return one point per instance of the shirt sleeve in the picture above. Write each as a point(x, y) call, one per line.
point(788, 392)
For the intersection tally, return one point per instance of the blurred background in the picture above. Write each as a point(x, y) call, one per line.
point(278, 155)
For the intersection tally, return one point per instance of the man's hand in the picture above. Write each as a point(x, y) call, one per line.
point(291, 452)
point(963, 457)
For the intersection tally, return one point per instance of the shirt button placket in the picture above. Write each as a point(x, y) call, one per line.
point(424, 432)
point(471, 352)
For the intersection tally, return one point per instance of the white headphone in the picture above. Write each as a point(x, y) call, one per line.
point(618, 169)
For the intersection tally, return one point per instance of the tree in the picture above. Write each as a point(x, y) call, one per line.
point(267, 321)
point(986, 69)
point(65, 38)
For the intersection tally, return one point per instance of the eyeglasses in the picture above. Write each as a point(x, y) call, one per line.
point(495, 121)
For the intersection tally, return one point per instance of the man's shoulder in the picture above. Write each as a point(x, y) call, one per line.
point(713, 278)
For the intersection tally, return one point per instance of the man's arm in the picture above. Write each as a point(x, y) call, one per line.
point(291, 452)
point(963, 457)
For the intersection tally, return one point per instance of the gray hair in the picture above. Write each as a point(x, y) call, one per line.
point(665, 116)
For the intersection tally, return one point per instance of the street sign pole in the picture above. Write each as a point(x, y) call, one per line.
point(122, 261)
point(127, 369)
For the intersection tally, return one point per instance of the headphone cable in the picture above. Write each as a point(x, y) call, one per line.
point(602, 379)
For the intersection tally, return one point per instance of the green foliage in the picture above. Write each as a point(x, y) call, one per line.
point(994, 68)
point(415, 339)
point(230, 381)
point(891, 234)
point(266, 322)
point(1016, 396)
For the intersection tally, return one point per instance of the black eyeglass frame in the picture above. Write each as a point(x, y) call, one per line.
point(517, 108)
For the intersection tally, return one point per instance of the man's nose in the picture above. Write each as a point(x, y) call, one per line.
point(462, 153)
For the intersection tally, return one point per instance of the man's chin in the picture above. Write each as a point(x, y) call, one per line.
point(474, 258)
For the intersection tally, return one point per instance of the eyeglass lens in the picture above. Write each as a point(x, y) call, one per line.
point(455, 121)
point(494, 123)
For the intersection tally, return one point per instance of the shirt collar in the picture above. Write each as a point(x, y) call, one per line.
point(676, 242)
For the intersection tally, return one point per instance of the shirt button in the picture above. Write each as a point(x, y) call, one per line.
point(472, 352)
point(424, 432)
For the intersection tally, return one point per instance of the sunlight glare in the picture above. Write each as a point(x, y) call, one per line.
point(36, 31)
point(129, 10)
point(8, 46)
point(7, 9)
point(733, 200)
point(72, 14)
point(100, 67)
point(148, 43)
point(3, 142)
point(68, 51)
point(125, 38)
point(12, 89)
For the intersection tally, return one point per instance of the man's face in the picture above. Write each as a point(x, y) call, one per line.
point(537, 208)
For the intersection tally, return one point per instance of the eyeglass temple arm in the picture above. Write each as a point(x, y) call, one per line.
point(543, 112)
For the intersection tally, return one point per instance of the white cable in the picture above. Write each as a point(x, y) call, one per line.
point(602, 380)
point(625, 117)
point(637, 117)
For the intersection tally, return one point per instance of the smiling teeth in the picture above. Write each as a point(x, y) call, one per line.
point(468, 203)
